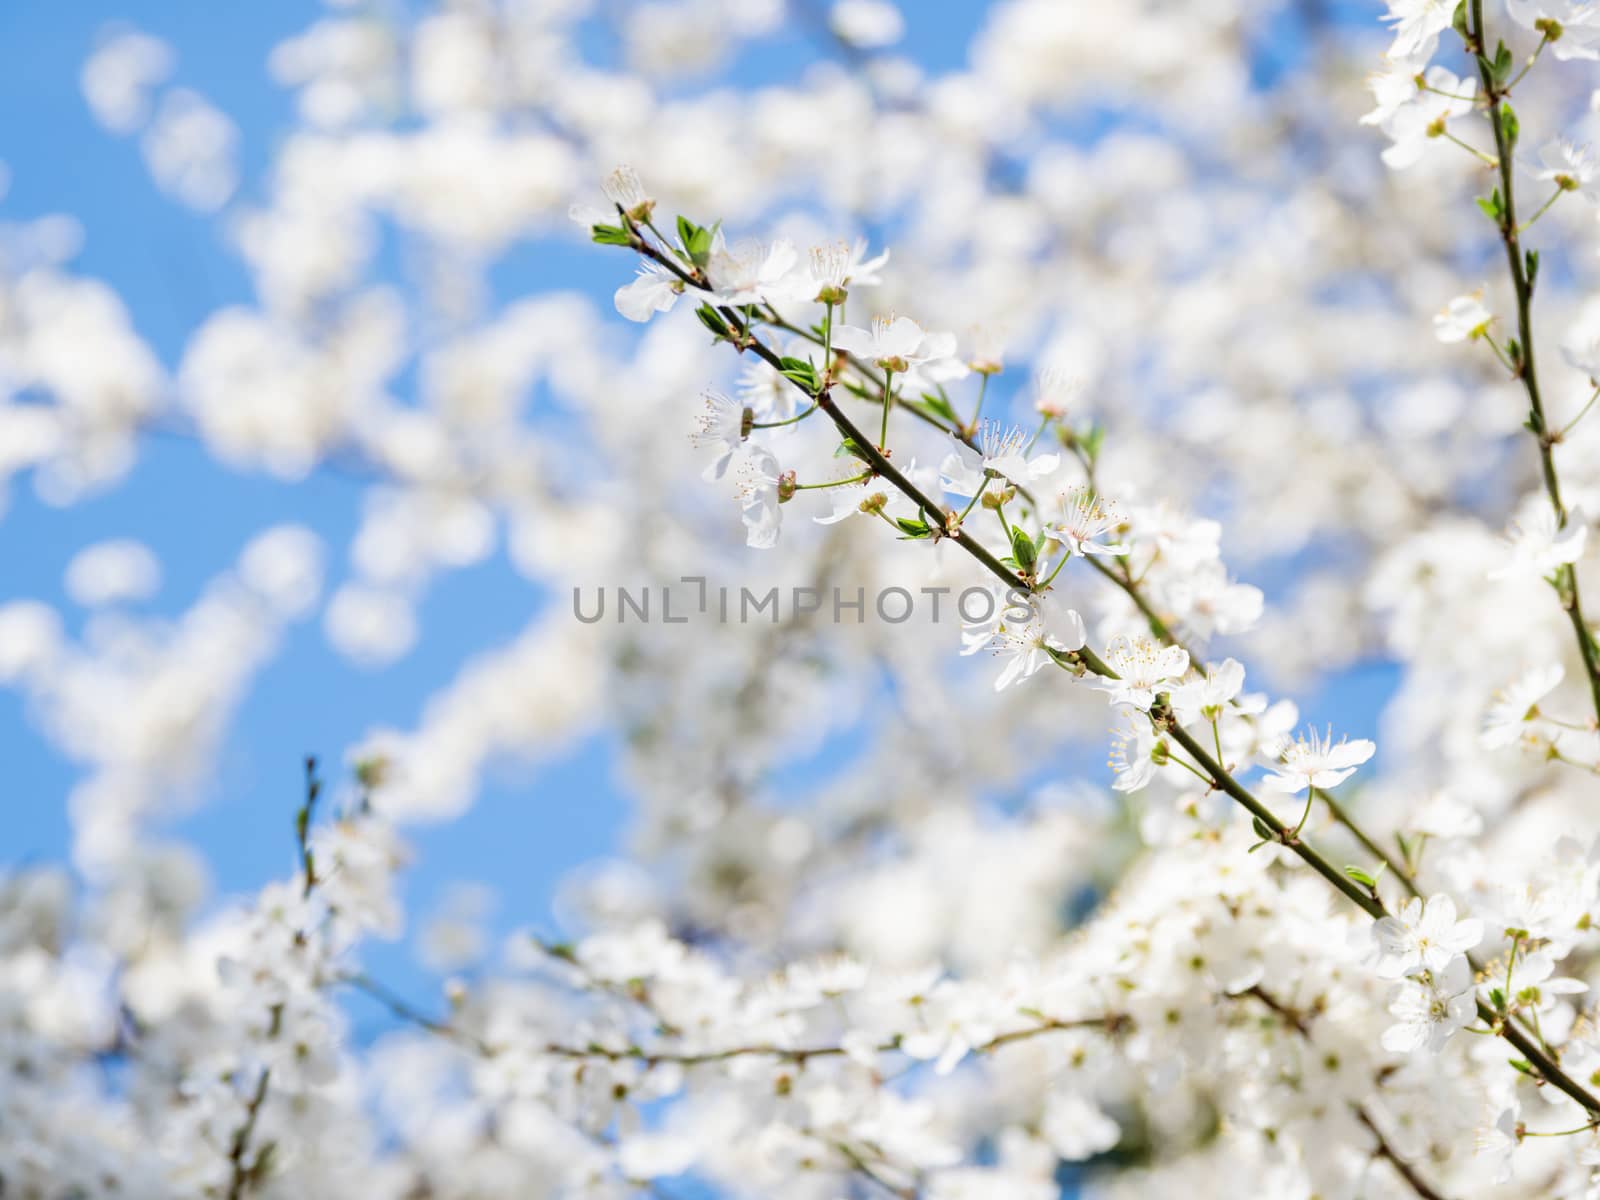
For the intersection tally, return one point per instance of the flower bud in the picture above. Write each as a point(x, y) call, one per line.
point(874, 503)
point(371, 773)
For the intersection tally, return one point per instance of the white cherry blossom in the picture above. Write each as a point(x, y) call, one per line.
point(1315, 760)
point(1423, 936)
point(1144, 668)
point(1429, 1009)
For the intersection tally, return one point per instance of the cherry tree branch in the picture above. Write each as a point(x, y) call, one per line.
point(241, 1176)
point(1112, 1024)
point(1298, 1021)
point(1540, 1062)
point(1522, 269)
point(740, 334)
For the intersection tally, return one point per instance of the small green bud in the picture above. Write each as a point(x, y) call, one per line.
point(372, 772)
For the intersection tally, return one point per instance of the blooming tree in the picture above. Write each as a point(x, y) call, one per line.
point(1158, 285)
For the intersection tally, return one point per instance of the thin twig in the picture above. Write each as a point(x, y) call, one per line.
point(1525, 370)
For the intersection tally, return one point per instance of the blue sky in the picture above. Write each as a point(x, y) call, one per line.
point(529, 826)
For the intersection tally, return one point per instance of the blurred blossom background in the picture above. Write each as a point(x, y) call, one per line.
point(141, 166)
point(146, 167)
point(316, 405)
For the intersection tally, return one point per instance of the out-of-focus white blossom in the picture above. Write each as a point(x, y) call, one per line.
point(119, 76)
point(113, 573)
point(192, 148)
point(867, 23)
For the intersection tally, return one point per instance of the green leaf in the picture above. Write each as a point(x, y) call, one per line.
point(1531, 266)
point(941, 407)
point(712, 320)
point(1266, 835)
point(912, 528)
point(610, 235)
point(1360, 876)
point(916, 406)
point(1522, 1065)
point(1509, 125)
point(1501, 68)
point(800, 371)
point(1458, 20)
point(1093, 440)
point(696, 241)
point(850, 448)
point(1492, 206)
point(1022, 548)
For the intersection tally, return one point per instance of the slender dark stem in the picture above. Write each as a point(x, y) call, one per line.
point(1542, 1063)
point(241, 1175)
point(1296, 1020)
point(885, 468)
point(1281, 832)
point(786, 421)
point(302, 825)
point(1130, 589)
point(1402, 1168)
point(1113, 1024)
point(409, 1013)
point(1522, 284)
point(932, 511)
point(1372, 847)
